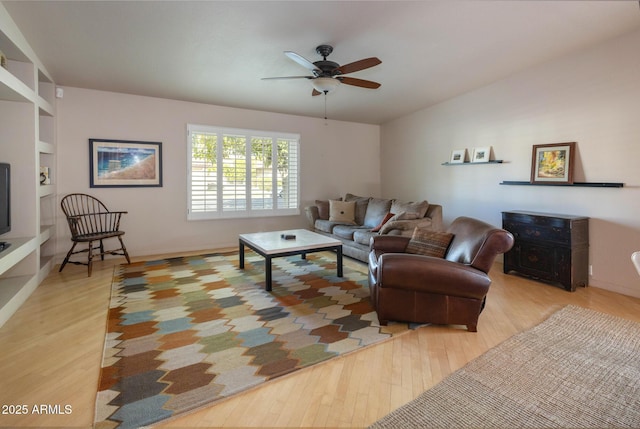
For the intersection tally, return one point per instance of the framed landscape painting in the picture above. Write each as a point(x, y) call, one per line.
point(124, 163)
point(553, 163)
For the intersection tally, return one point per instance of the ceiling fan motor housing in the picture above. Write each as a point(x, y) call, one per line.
point(327, 68)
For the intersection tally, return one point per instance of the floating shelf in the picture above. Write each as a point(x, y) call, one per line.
point(579, 184)
point(495, 161)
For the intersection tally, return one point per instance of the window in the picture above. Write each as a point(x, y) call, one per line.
point(242, 173)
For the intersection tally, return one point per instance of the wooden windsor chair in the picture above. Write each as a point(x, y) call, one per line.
point(90, 221)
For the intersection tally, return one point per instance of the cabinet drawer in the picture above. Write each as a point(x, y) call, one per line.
point(544, 221)
point(557, 234)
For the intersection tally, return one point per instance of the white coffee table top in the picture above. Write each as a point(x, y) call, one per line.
point(272, 242)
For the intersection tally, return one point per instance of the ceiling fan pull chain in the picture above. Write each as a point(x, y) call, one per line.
point(325, 107)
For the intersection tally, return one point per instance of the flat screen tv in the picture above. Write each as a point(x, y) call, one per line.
point(5, 198)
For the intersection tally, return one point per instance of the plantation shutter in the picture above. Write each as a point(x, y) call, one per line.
point(242, 173)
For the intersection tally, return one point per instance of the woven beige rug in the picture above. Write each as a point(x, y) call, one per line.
point(578, 369)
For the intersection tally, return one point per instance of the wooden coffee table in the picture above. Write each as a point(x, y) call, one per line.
point(271, 245)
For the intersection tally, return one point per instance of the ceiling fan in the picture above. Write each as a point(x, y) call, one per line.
point(327, 75)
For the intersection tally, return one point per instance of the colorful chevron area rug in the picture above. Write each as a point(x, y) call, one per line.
point(185, 332)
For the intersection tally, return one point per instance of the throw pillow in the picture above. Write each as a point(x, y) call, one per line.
point(361, 207)
point(405, 216)
point(381, 224)
point(342, 211)
point(429, 243)
point(377, 209)
point(419, 208)
point(323, 208)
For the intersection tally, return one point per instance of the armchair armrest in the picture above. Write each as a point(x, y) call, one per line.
point(389, 243)
point(432, 275)
point(95, 223)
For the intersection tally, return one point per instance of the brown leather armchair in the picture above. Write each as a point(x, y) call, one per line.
point(426, 289)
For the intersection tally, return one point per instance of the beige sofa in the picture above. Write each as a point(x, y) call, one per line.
point(371, 217)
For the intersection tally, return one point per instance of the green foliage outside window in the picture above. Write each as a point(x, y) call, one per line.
point(234, 152)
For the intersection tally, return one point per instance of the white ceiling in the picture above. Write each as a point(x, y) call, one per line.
point(216, 52)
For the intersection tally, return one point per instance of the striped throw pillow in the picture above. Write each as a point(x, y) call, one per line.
point(429, 243)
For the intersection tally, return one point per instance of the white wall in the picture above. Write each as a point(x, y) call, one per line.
point(592, 98)
point(336, 158)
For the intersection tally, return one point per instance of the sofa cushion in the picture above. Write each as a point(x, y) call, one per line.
point(342, 211)
point(429, 243)
point(403, 207)
point(361, 206)
point(323, 208)
point(377, 209)
point(325, 225)
point(346, 231)
point(363, 236)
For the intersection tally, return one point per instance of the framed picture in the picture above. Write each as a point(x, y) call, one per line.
point(553, 163)
point(458, 156)
point(124, 163)
point(481, 154)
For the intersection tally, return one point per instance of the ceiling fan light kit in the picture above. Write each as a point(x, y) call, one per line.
point(328, 75)
point(325, 84)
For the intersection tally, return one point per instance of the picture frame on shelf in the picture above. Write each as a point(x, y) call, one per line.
point(45, 178)
point(553, 163)
point(124, 163)
point(481, 154)
point(458, 156)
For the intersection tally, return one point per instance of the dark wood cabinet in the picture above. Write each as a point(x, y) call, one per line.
point(553, 248)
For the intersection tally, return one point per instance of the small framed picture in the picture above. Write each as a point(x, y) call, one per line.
point(124, 163)
point(458, 156)
point(45, 178)
point(553, 163)
point(481, 154)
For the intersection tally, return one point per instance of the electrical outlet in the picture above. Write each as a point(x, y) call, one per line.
point(590, 269)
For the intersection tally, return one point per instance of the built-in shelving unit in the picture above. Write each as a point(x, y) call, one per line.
point(577, 184)
point(27, 142)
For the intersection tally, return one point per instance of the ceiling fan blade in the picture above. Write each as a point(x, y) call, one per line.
point(288, 77)
point(359, 82)
point(301, 60)
point(315, 92)
point(359, 65)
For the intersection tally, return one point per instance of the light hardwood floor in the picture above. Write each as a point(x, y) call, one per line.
point(51, 350)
